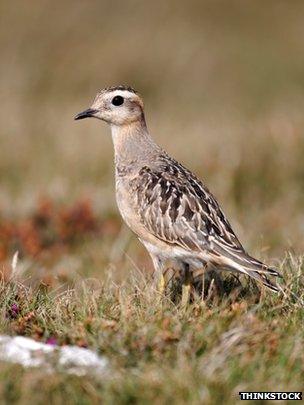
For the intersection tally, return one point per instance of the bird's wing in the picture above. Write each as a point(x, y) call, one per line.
point(176, 208)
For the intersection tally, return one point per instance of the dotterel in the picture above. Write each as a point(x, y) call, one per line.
point(170, 210)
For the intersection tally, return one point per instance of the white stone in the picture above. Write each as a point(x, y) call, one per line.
point(71, 359)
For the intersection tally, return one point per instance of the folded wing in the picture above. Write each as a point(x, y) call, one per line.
point(178, 209)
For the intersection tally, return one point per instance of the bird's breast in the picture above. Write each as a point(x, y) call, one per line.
point(126, 202)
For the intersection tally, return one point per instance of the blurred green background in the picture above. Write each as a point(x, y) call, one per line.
point(223, 85)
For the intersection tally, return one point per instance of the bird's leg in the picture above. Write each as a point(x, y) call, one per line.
point(158, 276)
point(161, 285)
point(186, 284)
point(219, 283)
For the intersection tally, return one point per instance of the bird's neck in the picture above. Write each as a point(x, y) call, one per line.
point(133, 144)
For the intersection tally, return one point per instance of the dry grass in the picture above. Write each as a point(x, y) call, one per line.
point(158, 350)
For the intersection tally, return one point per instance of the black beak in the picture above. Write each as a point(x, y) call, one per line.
point(86, 114)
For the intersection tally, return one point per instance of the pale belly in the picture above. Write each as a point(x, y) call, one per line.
point(176, 254)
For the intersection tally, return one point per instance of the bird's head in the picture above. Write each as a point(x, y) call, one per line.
point(119, 105)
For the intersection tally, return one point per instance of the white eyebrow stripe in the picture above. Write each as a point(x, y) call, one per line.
point(122, 93)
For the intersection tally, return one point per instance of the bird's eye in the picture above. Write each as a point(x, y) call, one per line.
point(117, 100)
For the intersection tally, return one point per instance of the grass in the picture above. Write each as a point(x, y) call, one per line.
point(158, 350)
point(223, 89)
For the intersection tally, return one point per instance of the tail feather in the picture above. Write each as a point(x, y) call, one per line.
point(240, 261)
point(262, 278)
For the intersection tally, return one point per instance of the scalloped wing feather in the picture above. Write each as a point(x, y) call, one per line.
point(174, 206)
point(178, 209)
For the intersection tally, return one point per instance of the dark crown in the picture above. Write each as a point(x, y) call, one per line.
point(121, 87)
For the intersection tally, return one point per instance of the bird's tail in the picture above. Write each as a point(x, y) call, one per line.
point(262, 276)
point(255, 269)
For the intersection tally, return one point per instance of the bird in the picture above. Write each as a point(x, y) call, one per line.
point(171, 211)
